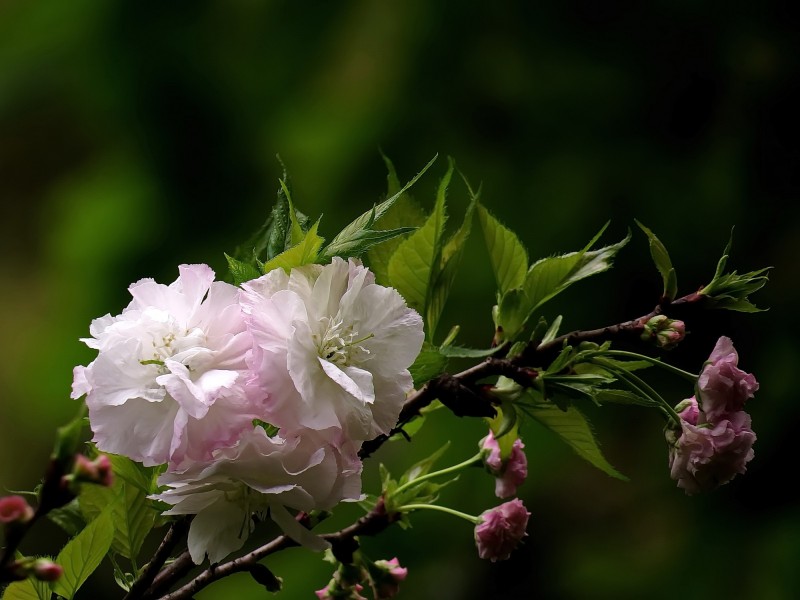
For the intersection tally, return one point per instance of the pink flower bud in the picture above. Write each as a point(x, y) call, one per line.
point(331, 592)
point(97, 471)
point(724, 388)
point(501, 529)
point(47, 570)
point(386, 578)
point(665, 332)
point(510, 473)
point(15, 509)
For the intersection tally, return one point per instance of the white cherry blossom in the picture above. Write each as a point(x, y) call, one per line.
point(169, 383)
point(332, 348)
point(260, 476)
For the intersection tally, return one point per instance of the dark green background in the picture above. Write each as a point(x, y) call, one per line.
point(138, 135)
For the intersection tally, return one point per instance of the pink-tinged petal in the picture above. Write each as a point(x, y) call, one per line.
point(501, 529)
point(184, 346)
point(723, 387)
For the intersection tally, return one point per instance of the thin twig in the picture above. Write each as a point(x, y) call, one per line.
point(176, 533)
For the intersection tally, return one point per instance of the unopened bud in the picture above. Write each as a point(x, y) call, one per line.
point(386, 578)
point(47, 570)
point(15, 509)
point(42, 569)
point(664, 332)
point(97, 471)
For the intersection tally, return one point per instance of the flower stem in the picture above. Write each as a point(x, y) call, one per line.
point(452, 469)
point(444, 509)
point(640, 386)
point(653, 361)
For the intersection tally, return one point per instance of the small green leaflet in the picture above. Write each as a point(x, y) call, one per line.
point(412, 263)
point(84, 553)
point(304, 253)
point(548, 277)
point(430, 363)
point(241, 271)
point(508, 255)
point(731, 290)
point(404, 212)
point(445, 275)
point(663, 263)
point(356, 237)
point(573, 428)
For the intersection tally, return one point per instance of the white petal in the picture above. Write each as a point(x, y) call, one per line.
point(297, 532)
point(356, 382)
point(217, 531)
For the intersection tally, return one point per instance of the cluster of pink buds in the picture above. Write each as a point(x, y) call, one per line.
point(664, 332)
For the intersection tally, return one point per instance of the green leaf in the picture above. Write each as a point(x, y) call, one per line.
point(133, 514)
point(450, 261)
point(511, 315)
point(296, 231)
point(84, 553)
point(573, 428)
point(344, 242)
point(461, 352)
point(29, 589)
point(133, 473)
point(404, 212)
point(416, 262)
point(274, 236)
point(306, 252)
point(507, 254)
point(612, 396)
point(241, 271)
point(552, 332)
point(663, 263)
point(68, 517)
point(731, 291)
point(550, 276)
point(430, 363)
point(424, 466)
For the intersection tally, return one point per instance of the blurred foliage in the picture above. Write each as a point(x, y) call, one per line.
point(138, 135)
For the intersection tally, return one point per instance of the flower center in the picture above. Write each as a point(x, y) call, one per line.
point(169, 343)
point(339, 343)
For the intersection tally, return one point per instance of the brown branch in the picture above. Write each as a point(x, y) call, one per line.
point(176, 533)
point(343, 544)
point(520, 368)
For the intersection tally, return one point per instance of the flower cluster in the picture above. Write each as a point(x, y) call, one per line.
point(715, 440)
point(501, 529)
point(256, 399)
